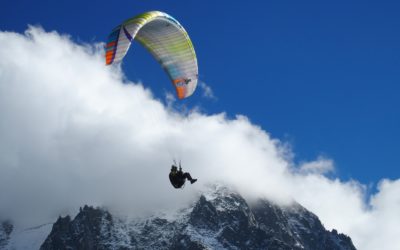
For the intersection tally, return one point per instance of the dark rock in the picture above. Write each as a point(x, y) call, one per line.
point(6, 229)
point(90, 229)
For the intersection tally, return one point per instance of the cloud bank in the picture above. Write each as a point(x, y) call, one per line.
point(74, 132)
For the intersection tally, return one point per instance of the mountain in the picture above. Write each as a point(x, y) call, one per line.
point(5, 230)
point(220, 219)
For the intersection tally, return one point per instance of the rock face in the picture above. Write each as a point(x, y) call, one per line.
point(5, 231)
point(91, 229)
point(220, 219)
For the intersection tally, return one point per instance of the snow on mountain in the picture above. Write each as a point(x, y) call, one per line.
point(28, 238)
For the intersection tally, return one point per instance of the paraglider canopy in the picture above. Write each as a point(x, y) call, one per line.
point(166, 40)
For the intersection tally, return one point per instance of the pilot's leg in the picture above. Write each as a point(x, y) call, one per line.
point(187, 176)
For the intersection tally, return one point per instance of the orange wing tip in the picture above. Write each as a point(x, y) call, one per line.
point(180, 91)
point(180, 87)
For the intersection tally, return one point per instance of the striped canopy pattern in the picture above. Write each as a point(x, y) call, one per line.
point(166, 40)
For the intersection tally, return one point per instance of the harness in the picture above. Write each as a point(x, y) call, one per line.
point(176, 172)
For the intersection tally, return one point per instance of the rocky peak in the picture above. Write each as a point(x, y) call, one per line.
point(83, 232)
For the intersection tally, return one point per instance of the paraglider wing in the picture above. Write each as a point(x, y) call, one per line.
point(166, 40)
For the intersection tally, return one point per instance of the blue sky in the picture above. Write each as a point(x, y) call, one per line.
point(323, 76)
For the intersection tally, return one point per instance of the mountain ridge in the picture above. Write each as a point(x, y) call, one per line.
point(219, 219)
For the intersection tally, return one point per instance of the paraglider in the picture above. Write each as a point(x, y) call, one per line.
point(178, 177)
point(166, 40)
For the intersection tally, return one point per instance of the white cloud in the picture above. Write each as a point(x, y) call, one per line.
point(207, 90)
point(170, 99)
point(319, 166)
point(73, 133)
